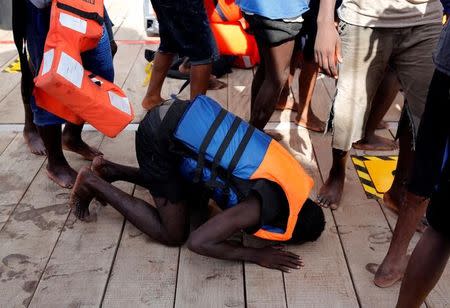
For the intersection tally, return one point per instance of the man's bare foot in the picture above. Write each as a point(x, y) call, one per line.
point(376, 143)
point(104, 169)
point(330, 193)
point(77, 145)
point(150, 102)
point(311, 122)
point(63, 175)
point(390, 272)
point(34, 141)
point(81, 196)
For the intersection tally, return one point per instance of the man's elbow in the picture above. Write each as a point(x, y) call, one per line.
point(196, 244)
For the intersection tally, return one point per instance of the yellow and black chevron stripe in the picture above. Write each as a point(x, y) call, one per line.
point(13, 67)
point(364, 175)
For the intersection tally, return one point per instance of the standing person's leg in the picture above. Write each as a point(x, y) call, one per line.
point(306, 85)
point(413, 59)
point(48, 125)
point(276, 71)
point(433, 250)
point(30, 131)
point(360, 75)
point(431, 139)
point(167, 223)
point(425, 267)
point(200, 74)
point(99, 62)
point(386, 93)
point(163, 57)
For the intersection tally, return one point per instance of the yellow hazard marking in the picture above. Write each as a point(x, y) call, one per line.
point(376, 173)
point(148, 73)
point(381, 172)
point(13, 67)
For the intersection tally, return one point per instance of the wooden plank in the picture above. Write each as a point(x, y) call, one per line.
point(263, 287)
point(208, 282)
point(79, 241)
point(29, 237)
point(8, 53)
point(325, 264)
point(124, 61)
point(17, 169)
point(5, 139)
point(12, 107)
point(239, 92)
point(364, 232)
point(129, 19)
point(144, 272)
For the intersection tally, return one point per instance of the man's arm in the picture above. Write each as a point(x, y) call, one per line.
point(211, 239)
point(327, 49)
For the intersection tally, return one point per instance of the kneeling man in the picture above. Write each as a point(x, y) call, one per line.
point(190, 152)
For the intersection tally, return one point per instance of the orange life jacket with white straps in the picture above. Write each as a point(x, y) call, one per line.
point(229, 29)
point(63, 87)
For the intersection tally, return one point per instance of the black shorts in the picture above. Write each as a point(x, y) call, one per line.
point(272, 32)
point(184, 29)
point(305, 41)
point(158, 162)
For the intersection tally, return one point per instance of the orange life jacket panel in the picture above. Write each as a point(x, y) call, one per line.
point(229, 29)
point(63, 87)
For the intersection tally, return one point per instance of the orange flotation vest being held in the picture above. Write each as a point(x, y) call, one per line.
point(229, 29)
point(63, 87)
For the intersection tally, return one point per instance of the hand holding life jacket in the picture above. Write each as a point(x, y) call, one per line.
point(229, 29)
point(63, 87)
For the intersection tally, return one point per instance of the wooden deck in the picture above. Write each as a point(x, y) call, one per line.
point(49, 259)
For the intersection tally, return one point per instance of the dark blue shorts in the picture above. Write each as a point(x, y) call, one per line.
point(98, 60)
point(184, 29)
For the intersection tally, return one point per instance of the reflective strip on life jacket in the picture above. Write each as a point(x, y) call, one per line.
point(222, 140)
point(63, 87)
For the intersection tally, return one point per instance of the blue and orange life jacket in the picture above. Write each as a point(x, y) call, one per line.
point(223, 143)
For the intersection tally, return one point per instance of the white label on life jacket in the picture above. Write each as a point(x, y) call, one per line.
point(70, 69)
point(73, 23)
point(121, 103)
point(47, 61)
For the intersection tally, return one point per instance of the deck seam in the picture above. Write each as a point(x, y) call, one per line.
point(339, 236)
point(48, 259)
point(9, 143)
point(176, 278)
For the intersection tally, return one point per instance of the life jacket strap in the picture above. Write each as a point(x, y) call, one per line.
point(220, 11)
point(222, 149)
point(88, 15)
point(241, 148)
point(205, 143)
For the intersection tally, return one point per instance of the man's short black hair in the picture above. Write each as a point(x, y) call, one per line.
point(310, 223)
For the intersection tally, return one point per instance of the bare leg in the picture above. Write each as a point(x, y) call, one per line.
point(112, 172)
point(30, 132)
point(58, 169)
point(394, 196)
point(394, 264)
point(71, 140)
point(167, 223)
point(307, 84)
point(427, 263)
point(330, 193)
point(200, 79)
point(276, 71)
point(161, 65)
point(385, 95)
point(287, 101)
